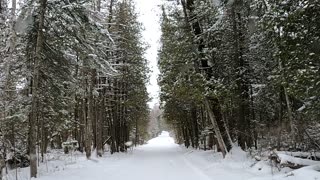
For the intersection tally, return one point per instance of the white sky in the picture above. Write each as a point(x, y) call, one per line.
point(150, 11)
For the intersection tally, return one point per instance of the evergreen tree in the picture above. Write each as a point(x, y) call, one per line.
point(255, 78)
point(60, 80)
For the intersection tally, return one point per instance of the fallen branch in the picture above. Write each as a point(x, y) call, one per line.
point(283, 160)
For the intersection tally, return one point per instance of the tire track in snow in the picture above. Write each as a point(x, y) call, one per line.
point(195, 169)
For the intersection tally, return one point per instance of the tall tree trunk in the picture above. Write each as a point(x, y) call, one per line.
point(90, 115)
point(87, 129)
point(35, 98)
point(195, 125)
point(216, 129)
point(42, 139)
point(136, 132)
point(94, 123)
point(78, 116)
point(110, 13)
point(280, 124)
point(99, 126)
point(110, 116)
point(290, 116)
point(288, 104)
point(82, 119)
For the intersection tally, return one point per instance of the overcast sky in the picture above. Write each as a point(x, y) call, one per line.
point(150, 11)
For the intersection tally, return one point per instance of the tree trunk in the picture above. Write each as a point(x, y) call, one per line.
point(42, 135)
point(110, 13)
point(1, 6)
point(216, 129)
point(195, 125)
point(88, 124)
point(98, 5)
point(13, 8)
point(34, 106)
point(290, 116)
point(87, 129)
point(279, 128)
point(94, 122)
point(136, 133)
point(99, 127)
point(288, 104)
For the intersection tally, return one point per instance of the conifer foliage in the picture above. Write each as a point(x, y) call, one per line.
point(71, 70)
point(241, 73)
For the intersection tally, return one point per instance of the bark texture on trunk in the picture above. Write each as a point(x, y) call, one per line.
point(216, 129)
point(35, 87)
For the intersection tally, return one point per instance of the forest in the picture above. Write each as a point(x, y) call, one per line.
point(242, 73)
point(70, 70)
point(239, 89)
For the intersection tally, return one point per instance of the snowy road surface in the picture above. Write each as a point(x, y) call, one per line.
point(162, 159)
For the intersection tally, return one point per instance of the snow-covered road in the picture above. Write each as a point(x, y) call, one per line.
point(162, 159)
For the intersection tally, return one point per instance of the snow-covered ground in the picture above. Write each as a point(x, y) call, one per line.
point(162, 159)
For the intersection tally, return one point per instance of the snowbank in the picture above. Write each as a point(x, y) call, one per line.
point(162, 159)
point(239, 166)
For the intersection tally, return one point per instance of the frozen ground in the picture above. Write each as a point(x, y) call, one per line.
point(162, 159)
